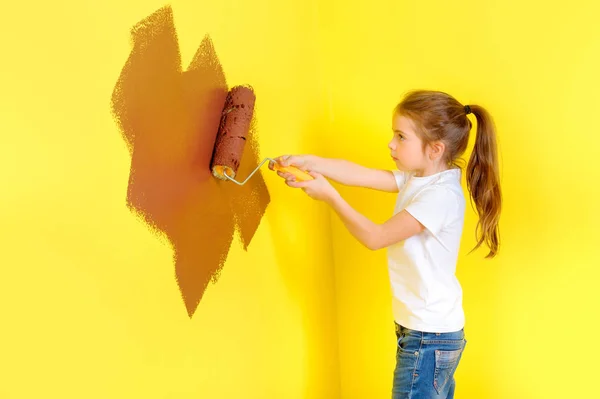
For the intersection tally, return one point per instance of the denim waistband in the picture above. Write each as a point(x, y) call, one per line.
point(424, 334)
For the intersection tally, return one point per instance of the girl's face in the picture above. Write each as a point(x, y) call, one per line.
point(406, 148)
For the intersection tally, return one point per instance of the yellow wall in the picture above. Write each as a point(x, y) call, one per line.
point(532, 311)
point(91, 307)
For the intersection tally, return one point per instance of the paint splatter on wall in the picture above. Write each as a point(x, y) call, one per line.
point(169, 119)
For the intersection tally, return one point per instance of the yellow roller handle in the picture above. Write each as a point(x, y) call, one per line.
point(300, 175)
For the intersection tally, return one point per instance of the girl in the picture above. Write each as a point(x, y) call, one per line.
point(430, 133)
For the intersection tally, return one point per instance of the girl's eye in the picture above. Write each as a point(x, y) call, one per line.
point(400, 137)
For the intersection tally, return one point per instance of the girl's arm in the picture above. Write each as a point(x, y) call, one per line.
point(344, 172)
point(372, 235)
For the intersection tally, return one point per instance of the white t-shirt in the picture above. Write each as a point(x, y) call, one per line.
point(426, 293)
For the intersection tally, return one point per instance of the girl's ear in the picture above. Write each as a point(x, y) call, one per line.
point(436, 150)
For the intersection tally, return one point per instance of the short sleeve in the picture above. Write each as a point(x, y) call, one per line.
point(400, 177)
point(433, 207)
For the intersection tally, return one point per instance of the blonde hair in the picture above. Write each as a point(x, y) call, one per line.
point(439, 116)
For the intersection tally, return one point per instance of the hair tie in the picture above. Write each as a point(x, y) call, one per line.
point(467, 109)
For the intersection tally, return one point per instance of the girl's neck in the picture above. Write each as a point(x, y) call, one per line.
point(431, 170)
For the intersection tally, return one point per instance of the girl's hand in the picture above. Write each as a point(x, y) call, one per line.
point(319, 188)
point(302, 162)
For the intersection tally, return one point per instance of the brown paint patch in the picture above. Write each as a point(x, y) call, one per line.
point(250, 200)
point(169, 119)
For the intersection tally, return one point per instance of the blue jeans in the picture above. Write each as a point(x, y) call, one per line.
point(425, 363)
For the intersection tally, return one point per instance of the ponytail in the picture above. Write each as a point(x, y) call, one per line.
point(483, 182)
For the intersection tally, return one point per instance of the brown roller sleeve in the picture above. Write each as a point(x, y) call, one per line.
point(234, 127)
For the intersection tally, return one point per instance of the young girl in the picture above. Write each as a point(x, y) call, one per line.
point(430, 133)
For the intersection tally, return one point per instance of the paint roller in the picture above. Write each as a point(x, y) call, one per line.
point(231, 138)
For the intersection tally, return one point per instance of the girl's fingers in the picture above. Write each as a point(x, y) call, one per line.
point(296, 184)
point(285, 175)
point(283, 160)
